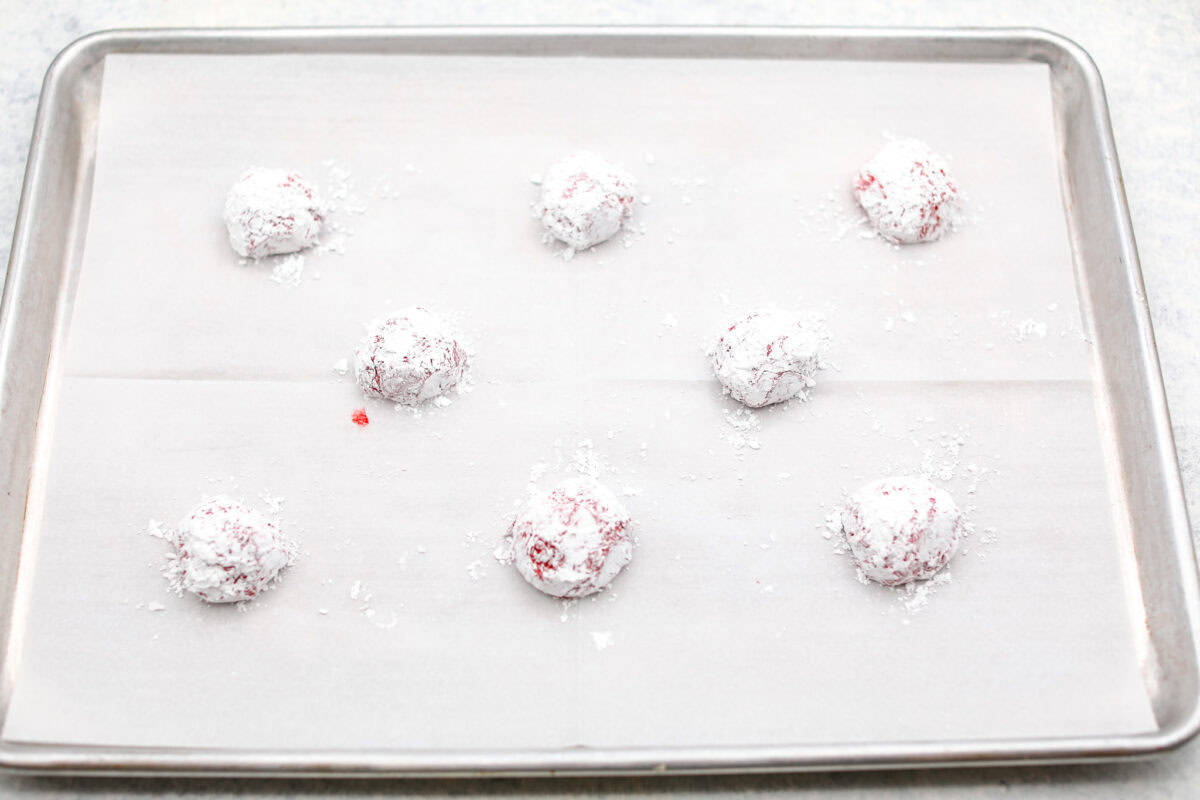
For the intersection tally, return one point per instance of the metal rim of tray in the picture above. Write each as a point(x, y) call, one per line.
point(60, 124)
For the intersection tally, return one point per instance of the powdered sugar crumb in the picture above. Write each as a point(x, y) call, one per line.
point(288, 270)
point(567, 606)
point(363, 600)
point(1030, 329)
point(915, 596)
point(158, 530)
point(741, 428)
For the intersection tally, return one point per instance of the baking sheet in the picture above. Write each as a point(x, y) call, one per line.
point(736, 624)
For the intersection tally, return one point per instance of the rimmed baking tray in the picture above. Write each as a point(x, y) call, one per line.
point(1148, 574)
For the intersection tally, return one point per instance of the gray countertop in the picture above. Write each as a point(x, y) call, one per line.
point(1149, 55)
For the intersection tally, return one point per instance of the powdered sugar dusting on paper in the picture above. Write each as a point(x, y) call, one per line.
point(288, 270)
point(342, 203)
point(364, 600)
point(741, 429)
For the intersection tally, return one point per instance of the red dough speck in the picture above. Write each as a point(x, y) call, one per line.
point(359, 417)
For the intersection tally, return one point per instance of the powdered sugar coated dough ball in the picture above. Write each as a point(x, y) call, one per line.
point(908, 192)
point(585, 200)
point(271, 211)
point(767, 357)
point(572, 540)
point(901, 529)
point(228, 552)
point(409, 357)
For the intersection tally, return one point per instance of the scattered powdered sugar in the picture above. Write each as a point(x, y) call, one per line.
point(602, 639)
point(568, 605)
point(1030, 329)
point(585, 460)
point(835, 215)
point(741, 429)
point(502, 552)
point(364, 599)
point(274, 503)
point(915, 596)
point(288, 270)
point(831, 530)
point(942, 464)
point(159, 530)
point(475, 570)
point(342, 203)
point(1020, 328)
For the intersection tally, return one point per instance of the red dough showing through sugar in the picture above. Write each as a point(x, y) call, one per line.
point(409, 357)
point(901, 529)
point(908, 193)
point(269, 211)
point(227, 552)
point(585, 200)
point(572, 540)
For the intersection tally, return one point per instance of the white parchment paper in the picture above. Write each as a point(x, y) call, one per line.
point(186, 374)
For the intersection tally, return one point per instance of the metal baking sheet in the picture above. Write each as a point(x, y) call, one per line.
point(144, 367)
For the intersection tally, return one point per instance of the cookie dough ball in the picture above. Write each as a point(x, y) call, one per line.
point(908, 193)
point(901, 529)
point(271, 211)
point(409, 357)
point(228, 552)
point(572, 540)
point(585, 200)
point(768, 357)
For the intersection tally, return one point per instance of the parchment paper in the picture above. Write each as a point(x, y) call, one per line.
point(186, 374)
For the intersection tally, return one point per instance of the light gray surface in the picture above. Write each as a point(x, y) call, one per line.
point(1149, 58)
